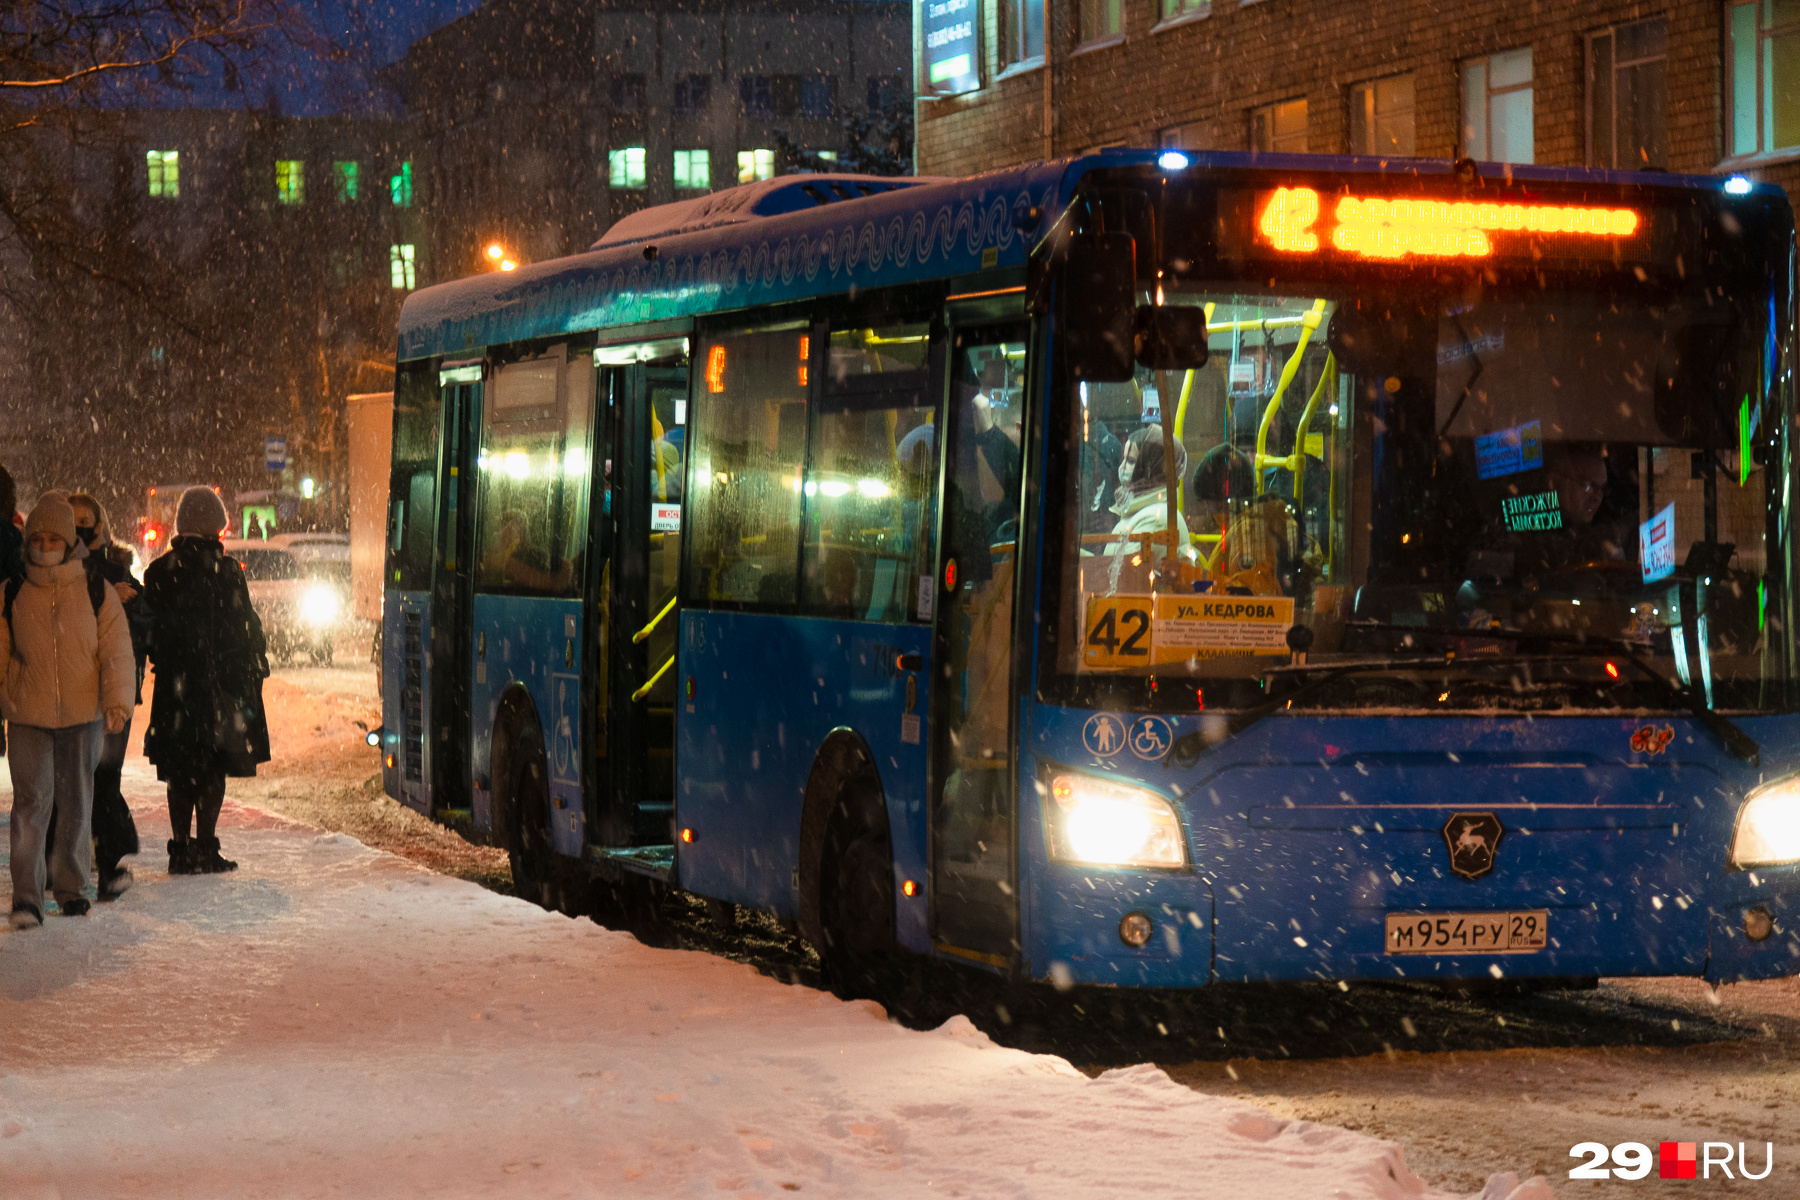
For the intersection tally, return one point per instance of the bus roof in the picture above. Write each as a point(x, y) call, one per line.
point(802, 236)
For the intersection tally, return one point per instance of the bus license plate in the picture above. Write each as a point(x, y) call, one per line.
point(1518, 932)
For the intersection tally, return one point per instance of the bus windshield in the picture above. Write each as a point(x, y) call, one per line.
point(1562, 492)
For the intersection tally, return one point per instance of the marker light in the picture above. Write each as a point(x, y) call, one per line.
point(391, 760)
point(1737, 185)
point(909, 888)
point(1172, 160)
point(1102, 823)
point(1612, 670)
point(1768, 826)
point(687, 835)
point(715, 370)
point(373, 737)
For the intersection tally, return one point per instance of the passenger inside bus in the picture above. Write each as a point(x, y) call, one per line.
point(514, 559)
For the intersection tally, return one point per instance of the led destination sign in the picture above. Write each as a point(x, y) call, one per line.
point(1294, 220)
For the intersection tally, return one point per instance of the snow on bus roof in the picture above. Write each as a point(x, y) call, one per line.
point(751, 202)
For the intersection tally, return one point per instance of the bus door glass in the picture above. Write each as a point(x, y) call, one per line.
point(647, 390)
point(447, 715)
point(405, 618)
point(974, 885)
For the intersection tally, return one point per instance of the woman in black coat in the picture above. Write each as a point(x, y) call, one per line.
point(206, 714)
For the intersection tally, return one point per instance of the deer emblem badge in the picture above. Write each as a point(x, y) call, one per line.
point(1472, 839)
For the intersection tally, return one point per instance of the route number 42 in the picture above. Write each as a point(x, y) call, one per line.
point(1118, 631)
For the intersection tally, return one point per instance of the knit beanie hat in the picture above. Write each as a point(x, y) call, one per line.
point(52, 515)
point(201, 513)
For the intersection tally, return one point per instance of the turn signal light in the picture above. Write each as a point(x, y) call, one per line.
point(687, 835)
point(390, 762)
point(910, 888)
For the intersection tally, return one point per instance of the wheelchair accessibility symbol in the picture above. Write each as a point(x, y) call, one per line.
point(1149, 737)
point(1104, 735)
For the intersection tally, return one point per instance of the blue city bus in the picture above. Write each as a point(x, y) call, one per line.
point(1142, 569)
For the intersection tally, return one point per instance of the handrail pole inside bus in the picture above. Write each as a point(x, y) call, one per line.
point(643, 633)
point(651, 682)
point(1308, 324)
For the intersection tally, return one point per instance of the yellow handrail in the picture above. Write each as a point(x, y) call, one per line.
point(1308, 323)
point(1187, 389)
point(643, 633)
point(1296, 462)
point(651, 682)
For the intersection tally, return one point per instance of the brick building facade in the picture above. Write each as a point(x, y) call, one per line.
point(1699, 86)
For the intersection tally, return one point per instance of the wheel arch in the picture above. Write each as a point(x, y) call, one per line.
point(514, 714)
point(842, 758)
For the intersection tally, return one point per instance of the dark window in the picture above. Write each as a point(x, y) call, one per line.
point(818, 96)
point(691, 95)
point(413, 490)
point(887, 93)
point(784, 94)
point(755, 92)
point(1628, 96)
point(628, 93)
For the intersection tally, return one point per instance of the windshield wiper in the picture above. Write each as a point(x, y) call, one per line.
point(1185, 751)
point(1740, 744)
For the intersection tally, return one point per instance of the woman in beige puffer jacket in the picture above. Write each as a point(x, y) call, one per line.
point(69, 672)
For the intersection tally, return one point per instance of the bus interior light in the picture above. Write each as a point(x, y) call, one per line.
point(1768, 826)
point(1098, 822)
point(1172, 160)
point(1737, 185)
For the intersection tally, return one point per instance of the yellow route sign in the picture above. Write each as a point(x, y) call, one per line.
point(1123, 633)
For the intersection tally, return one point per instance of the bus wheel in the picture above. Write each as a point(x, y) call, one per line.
point(856, 897)
point(528, 842)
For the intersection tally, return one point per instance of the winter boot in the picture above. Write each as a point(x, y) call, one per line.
point(78, 907)
point(25, 917)
point(181, 857)
point(208, 860)
point(115, 883)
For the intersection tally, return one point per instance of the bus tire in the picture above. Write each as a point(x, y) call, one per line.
point(856, 896)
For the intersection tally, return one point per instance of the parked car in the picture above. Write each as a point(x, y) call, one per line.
point(300, 585)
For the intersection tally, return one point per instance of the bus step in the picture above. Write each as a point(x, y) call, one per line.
point(658, 862)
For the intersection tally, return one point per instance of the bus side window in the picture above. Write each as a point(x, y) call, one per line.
point(533, 469)
point(747, 435)
point(871, 474)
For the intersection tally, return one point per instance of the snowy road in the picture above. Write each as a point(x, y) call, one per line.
point(335, 1020)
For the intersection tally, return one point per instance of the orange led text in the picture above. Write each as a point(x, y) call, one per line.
point(1395, 228)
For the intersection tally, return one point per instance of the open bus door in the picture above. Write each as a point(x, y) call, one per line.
point(640, 459)
point(974, 825)
point(447, 711)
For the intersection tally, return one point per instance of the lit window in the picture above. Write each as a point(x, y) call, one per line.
point(165, 173)
point(290, 181)
point(1279, 128)
point(1496, 105)
point(1381, 117)
point(401, 268)
point(1763, 68)
point(1174, 10)
point(625, 167)
point(755, 164)
point(693, 169)
point(400, 186)
point(344, 177)
point(1628, 95)
point(1102, 19)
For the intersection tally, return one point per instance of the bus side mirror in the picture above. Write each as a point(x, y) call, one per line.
point(1168, 338)
point(1099, 298)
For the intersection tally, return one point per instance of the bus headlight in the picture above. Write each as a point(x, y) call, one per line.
point(1101, 823)
point(318, 605)
point(1768, 826)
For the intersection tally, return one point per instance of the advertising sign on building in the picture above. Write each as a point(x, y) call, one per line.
point(951, 59)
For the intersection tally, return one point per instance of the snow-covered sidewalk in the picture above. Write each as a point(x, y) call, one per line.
point(331, 1020)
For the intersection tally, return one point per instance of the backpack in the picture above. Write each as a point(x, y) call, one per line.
point(96, 587)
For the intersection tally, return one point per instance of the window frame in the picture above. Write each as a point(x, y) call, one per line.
point(1013, 17)
point(1485, 61)
point(617, 155)
point(400, 185)
point(346, 181)
point(1270, 112)
point(705, 163)
point(1170, 13)
point(1761, 86)
point(290, 181)
point(1088, 31)
point(1372, 88)
point(403, 266)
point(1590, 42)
point(162, 174)
point(683, 96)
point(756, 164)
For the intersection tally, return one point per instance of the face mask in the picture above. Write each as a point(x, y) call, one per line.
point(86, 533)
point(46, 558)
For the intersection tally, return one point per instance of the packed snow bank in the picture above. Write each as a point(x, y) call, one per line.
point(330, 1020)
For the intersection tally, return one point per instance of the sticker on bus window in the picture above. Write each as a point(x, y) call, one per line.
point(1656, 545)
point(665, 518)
point(1509, 451)
point(1123, 632)
point(681, 412)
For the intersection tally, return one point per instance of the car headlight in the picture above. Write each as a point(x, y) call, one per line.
point(1768, 826)
point(1097, 822)
point(319, 606)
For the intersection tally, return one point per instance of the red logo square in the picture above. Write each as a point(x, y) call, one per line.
point(1676, 1160)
